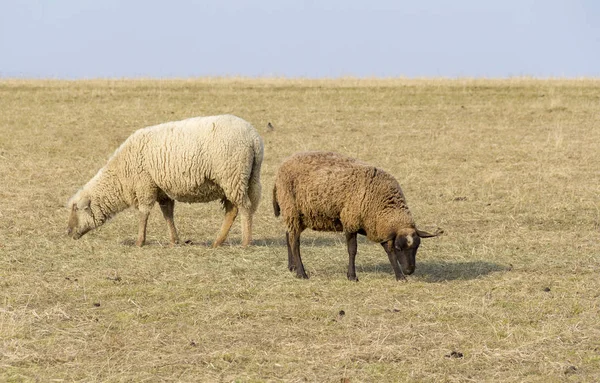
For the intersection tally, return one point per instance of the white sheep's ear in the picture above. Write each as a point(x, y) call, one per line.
point(425, 234)
point(83, 203)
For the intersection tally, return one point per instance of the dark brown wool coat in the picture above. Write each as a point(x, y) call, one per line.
point(327, 191)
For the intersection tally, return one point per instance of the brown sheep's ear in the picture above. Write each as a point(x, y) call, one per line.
point(83, 204)
point(425, 234)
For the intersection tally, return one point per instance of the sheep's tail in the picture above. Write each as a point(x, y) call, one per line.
point(276, 208)
point(254, 186)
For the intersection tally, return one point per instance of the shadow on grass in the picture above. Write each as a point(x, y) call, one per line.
point(259, 242)
point(130, 242)
point(432, 271)
point(428, 271)
point(304, 242)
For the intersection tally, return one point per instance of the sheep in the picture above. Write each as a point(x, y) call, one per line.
point(326, 191)
point(200, 159)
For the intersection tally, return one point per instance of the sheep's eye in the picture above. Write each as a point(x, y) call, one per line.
point(401, 243)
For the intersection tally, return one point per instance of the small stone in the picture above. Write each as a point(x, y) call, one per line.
point(570, 370)
point(455, 354)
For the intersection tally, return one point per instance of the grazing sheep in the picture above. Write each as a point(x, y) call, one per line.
point(200, 159)
point(327, 191)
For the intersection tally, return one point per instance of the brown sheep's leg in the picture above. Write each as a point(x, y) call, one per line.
point(144, 214)
point(352, 246)
point(389, 249)
point(231, 212)
point(295, 242)
point(291, 264)
point(246, 226)
point(167, 206)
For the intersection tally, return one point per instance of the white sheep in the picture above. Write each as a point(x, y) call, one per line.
point(327, 191)
point(200, 159)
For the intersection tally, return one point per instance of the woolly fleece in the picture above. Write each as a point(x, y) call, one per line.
point(200, 159)
point(327, 191)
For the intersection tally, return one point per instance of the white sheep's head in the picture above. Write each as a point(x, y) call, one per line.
point(81, 218)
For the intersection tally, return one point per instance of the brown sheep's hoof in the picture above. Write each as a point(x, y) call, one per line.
point(302, 276)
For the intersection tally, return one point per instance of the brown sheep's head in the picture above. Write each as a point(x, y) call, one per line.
point(81, 218)
point(402, 250)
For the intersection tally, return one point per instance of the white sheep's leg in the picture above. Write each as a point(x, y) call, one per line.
point(167, 206)
point(231, 212)
point(144, 214)
point(246, 226)
point(352, 246)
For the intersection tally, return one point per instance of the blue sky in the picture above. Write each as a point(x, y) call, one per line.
point(316, 39)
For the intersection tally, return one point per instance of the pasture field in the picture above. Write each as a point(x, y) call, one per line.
point(510, 169)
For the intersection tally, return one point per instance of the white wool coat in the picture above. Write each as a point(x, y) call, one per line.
point(200, 159)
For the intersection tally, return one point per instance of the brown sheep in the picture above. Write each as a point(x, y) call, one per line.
point(327, 191)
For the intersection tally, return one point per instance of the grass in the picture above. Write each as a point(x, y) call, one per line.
point(509, 168)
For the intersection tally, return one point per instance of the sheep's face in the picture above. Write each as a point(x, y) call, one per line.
point(405, 250)
point(402, 250)
point(81, 219)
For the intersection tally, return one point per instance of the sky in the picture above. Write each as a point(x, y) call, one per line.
point(74, 39)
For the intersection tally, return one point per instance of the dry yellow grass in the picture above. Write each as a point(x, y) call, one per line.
point(509, 168)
